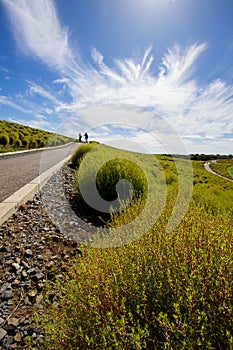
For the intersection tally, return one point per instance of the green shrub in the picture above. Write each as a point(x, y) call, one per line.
point(18, 143)
point(12, 139)
point(120, 169)
point(80, 152)
point(4, 139)
point(42, 143)
point(33, 143)
point(25, 142)
point(164, 291)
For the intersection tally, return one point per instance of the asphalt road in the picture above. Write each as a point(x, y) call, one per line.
point(19, 169)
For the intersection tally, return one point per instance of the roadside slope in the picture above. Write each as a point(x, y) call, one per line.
point(208, 168)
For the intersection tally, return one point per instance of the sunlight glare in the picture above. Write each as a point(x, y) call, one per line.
point(149, 8)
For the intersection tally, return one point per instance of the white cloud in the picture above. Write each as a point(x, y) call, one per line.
point(191, 109)
point(5, 100)
point(37, 31)
point(39, 90)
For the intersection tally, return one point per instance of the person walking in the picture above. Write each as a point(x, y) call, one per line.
point(86, 137)
point(80, 137)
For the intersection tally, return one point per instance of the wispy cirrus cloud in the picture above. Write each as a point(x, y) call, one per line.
point(37, 31)
point(191, 108)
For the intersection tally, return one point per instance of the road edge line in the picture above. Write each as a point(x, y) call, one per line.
point(11, 204)
point(7, 154)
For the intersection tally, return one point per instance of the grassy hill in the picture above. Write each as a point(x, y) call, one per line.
point(223, 167)
point(15, 136)
point(161, 291)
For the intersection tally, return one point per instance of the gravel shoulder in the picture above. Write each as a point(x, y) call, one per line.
point(33, 251)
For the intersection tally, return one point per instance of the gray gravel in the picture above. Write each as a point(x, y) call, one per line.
point(32, 251)
point(17, 170)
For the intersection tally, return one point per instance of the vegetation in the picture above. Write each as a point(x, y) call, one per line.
point(223, 167)
point(201, 156)
point(116, 170)
point(15, 137)
point(162, 291)
point(80, 152)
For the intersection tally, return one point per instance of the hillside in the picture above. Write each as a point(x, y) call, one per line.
point(15, 136)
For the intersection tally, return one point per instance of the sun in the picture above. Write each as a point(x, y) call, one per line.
point(149, 8)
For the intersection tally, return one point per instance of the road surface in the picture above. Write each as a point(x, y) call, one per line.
point(19, 169)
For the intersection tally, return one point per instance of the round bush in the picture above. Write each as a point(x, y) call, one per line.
point(33, 143)
point(42, 143)
point(18, 143)
point(51, 142)
point(25, 142)
point(4, 139)
point(12, 137)
point(117, 170)
point(80, 152)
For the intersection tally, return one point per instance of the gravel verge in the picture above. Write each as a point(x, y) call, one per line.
point(33, 251)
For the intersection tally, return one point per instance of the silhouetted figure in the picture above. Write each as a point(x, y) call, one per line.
point(86, 137)
point(80, 137)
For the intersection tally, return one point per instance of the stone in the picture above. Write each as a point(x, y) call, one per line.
point(37, 277)
point(12, 323)
point(28, 253)
point(33, 293)
point(3, 333)
point(15, 266)
point(4, 249)
point(8, 294)
point(18, 337)
point(32, 251)
point(5, 287)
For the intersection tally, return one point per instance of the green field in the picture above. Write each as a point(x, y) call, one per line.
point(15, 137)
point(160, 291)
point(230, 170)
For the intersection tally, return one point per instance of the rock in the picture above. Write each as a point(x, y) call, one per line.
point(32, 294)
point(28, 253)
point(4, 249)
point(8, 294)
point(32, 271)
point(37, 277)
point(7, 342)
point(18, 337)
point(12, 323)
point(25, 265)
point(32, 251)
point(3, 333)
point(15, 267)
point(5, 287)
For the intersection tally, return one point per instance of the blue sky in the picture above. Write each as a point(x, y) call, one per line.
point(116, 68)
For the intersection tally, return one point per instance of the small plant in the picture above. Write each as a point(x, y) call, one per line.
point(25, 142)
point(80, 152)
point(12, 138)
point(33, 143)
point(4, 139)
point(18, 143)
point(117, 170)
point(162, 291)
